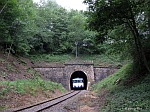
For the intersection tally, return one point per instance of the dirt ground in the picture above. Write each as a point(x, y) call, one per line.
point(14, 100)
point(14, 67)
point(91, 102)
point(86, 102)
point(17, 67)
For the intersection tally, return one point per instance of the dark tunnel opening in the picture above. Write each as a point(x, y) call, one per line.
point(78, 81)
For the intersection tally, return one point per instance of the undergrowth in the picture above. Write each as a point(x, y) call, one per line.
point(111, 81)
point(97, 59)
point(104, 59)
point(125, 97)
point(51, 58)
point(29, 86)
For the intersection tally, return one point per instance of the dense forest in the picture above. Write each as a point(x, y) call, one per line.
point(114, 27)
point(28, 28)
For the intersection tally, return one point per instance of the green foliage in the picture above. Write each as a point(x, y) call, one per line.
point(51, 58)
point(123, 26)
point(2, 107)
point(133, 99)
point(107, 60)
point(120, 42)
point(125, 98)
point(111, 81)
point(27, 28)
point(3, 74)
point(8, 21)
point(9, 67)
point(29, 86)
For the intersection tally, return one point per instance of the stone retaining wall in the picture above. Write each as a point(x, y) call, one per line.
point(54, 74)
point(102, 72)
point(62, 74)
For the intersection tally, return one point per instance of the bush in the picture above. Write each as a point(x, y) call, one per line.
point(125, 98)
point(29, 86)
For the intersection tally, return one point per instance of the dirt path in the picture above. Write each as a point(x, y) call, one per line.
point(89, 102)
point(92, 102)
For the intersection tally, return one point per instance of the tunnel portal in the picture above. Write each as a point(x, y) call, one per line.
point(70, 70)
point(78, 75)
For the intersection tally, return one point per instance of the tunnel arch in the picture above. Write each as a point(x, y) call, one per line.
point(79, 74)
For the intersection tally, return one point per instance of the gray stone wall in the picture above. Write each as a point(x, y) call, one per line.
point(62, 74)
point(102, 72)
point(53, 74)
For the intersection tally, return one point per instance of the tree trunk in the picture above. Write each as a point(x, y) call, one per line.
point(140, 52)
point(9, 50)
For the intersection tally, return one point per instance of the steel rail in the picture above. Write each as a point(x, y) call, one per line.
point(58, 102)
point(39, 105)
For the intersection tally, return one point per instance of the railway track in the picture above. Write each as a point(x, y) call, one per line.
point(46, 104)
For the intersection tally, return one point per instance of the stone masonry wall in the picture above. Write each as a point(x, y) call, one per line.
point(62, 74)
point(53, 74)
point(102, 72)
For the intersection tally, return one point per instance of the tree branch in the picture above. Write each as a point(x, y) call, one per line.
point(3, 7)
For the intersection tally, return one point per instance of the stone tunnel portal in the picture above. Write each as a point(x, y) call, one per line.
point(78, 74)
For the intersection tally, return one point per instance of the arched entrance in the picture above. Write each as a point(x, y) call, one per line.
point(79, 75)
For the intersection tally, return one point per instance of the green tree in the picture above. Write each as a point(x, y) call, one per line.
point(105, 15)
point(52, 28)
point(17, 25)
point(79, 34)
point(27, 28)
point(8, 23)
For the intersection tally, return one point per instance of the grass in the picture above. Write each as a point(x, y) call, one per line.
point(51, 58)
point(2, 60)
point(125, 98)
point(110, 82)
point(10, 67)
point(97, 59)
point(2, 108)
point(103, 59)
point(28, 86)
point(3, 74)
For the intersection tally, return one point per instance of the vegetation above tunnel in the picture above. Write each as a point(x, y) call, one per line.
point(28, 28)
point(119, 28)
